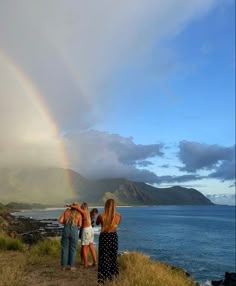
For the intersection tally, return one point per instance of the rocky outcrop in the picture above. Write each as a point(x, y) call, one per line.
point(27, 229)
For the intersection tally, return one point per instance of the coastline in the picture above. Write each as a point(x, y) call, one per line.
point(45, 222)
point(26, 229)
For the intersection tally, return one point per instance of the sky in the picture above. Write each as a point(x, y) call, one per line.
point(143, 90)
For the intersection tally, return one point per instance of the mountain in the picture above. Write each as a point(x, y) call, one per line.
point(126, 192)
point(56, 186)
point(30, 185)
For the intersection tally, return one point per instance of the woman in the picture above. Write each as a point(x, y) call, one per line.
point(71, 219)
point(93, 214)
point(87, 236)
point(108, 242)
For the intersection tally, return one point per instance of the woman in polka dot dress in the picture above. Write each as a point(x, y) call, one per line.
point(108, 242)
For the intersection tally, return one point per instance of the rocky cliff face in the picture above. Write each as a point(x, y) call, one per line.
point(129, 193)
point(132, 193)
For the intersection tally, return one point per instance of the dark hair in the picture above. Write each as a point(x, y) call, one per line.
point(94, 210)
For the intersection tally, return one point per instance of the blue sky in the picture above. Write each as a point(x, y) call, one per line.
point(142, 90)
point(196, 95)
point(193, 100)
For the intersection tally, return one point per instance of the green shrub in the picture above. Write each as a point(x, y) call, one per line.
point(7, 243)
point(15, 244)
point(3, 243)
point(48, 247)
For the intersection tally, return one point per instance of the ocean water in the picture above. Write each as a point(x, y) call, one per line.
point(199, 239)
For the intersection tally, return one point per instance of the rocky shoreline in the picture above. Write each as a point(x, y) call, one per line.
point(29, 230)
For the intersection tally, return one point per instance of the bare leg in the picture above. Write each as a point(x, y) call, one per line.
point(81, 255)
point(85, 254)
point(93, 252)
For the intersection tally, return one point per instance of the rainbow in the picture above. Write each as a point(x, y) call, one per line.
point(37, 101)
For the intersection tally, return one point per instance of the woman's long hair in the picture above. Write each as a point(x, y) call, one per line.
point(108, 215)
point(84, 207)
point(73, 217)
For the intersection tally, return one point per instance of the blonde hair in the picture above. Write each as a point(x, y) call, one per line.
point(73, 217)
point(84, 207)
point(108, 215)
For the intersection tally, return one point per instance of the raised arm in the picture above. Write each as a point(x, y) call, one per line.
point(78, 209)
point(61, 219)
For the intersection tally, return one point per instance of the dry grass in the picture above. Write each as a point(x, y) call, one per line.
point(48, 273)
point(12, 265)
point(40, 266)
point(138, 270)
point(43, 267)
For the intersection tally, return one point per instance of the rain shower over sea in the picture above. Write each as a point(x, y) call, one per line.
point(199, 239)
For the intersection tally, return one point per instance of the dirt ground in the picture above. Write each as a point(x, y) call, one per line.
point(46, 273)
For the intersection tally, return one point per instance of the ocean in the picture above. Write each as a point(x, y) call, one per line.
point(199, 239)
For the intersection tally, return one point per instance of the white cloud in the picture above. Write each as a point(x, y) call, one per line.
point(66, 52)
point(70, 49)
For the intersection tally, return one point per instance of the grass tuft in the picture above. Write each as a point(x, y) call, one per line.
point(8, 243)
point(138, 270)
point(12, 271)
point(47, 247)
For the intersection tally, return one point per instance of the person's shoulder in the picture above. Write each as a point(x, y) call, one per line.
point(118, 217)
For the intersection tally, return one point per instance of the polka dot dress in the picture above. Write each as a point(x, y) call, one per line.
point(107, 256)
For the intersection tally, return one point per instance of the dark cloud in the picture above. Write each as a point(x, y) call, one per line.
point(225, 171)
point(101, 154)
point(130, 153)
point(178, 179)
point(233, 185)
point(147, 176)
point(165, 166)
point(151, 178)
point(198, 156)
point(144, 163)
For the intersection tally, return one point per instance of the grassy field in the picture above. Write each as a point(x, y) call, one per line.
point(40, 265)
